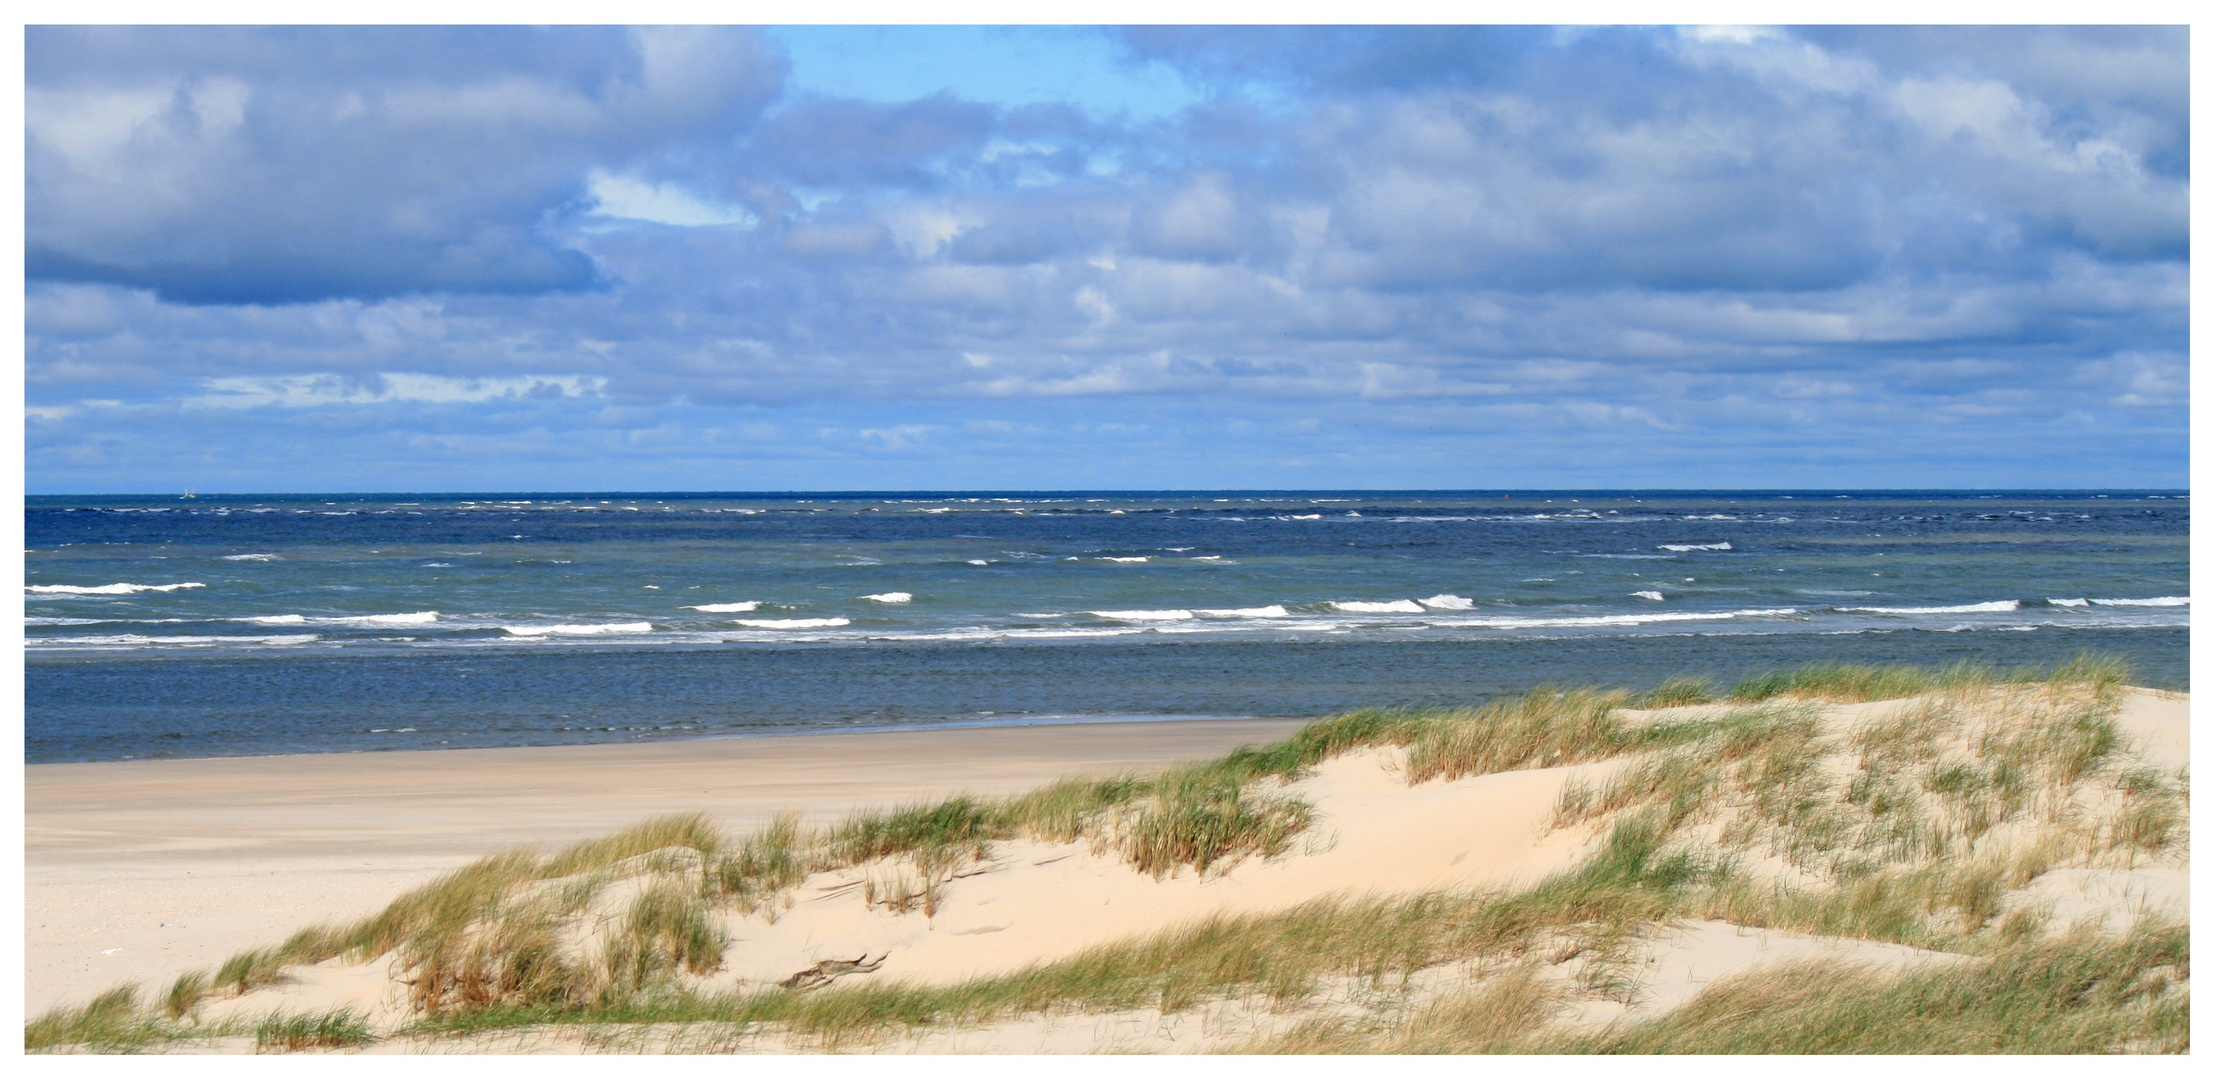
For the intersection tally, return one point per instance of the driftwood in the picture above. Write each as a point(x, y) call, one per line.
point(822, 974)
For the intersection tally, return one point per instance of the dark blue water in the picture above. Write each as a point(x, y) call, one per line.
point(218, 626)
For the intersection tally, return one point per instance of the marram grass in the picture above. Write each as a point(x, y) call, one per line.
point(1912, 830)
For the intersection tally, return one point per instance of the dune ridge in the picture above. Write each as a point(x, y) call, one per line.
point(1568, 871)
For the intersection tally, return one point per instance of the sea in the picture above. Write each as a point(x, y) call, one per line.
point(214, 626)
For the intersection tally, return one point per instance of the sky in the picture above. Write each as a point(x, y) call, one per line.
point(964, 258)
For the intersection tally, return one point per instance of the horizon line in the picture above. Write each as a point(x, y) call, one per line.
point(1099, 492)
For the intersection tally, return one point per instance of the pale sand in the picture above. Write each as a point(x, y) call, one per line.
point(351, 837)
point(176, 865)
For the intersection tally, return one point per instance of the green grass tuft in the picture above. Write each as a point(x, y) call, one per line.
point(336, 1029)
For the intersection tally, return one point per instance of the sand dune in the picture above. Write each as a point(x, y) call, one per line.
point(258, 847)
point(178, 864)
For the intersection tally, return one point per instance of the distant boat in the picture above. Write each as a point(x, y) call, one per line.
point(189, 494)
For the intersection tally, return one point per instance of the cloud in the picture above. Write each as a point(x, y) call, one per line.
point(234, 165)
point(1680, 244)
point(307, 391)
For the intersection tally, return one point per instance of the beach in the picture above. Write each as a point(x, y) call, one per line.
point(139, 870)
point(1583, 867)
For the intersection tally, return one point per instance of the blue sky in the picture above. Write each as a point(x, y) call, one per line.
point(1172, 257)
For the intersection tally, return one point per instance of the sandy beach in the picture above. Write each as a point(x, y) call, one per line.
point(139, 870)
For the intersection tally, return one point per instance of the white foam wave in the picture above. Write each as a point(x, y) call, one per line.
point(2069, 603)
point(2156, 601)
point(1649, 594)
point(408, 618)
point(980, 562)
point(744, 605)
point(1950, 609)
point(1447, 602)
point(1123, 558)
point(1096, 631)
point(1171, 615)
point(580, 629)
point(405, 618)
point(791, 624)
point(1724, 546)
point(250, 557)
point(120, 588)
point(34, 621)
point(1273, 611)
point(1521, 623)
point(1369, 607)
point(890, 597)
point(180, 639)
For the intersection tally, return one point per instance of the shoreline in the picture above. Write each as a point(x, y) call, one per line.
point(141, 869)
point(791, 733)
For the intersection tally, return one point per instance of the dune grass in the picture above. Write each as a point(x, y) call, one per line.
point(2083, 993)
point(332, 1030)
point(1861, 682)
point(1910, 830)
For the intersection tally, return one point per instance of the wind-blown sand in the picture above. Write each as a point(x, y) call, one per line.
point(238, 853)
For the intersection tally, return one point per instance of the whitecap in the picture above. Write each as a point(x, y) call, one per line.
point(1952, 609)
point(2158, 601)
point(142, 639)
point(988, 562)
point(250, 557)
point(743, 605)
point(1447, 602)
point(1207, 558)
point(1570, 621)
point(405, 618)
point(580, 629)
point(2069, 603)
point(120, 588)
point(1649, 594)
point(1170, 615)
point(1273, 611)
point(1368, 607)
point(890, 597)
point(791, 624)
point(275, 620)
point(1123, 558)
point(1724, 546)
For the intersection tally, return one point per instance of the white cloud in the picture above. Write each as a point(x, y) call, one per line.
point(634, 199)
point(308, 391)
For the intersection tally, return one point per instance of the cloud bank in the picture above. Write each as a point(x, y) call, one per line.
point(483, 258)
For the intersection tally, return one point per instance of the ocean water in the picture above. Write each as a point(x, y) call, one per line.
point(287, 624)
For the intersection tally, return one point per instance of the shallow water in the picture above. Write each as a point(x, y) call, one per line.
point(291, 624)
